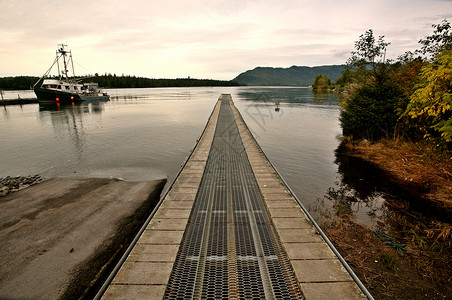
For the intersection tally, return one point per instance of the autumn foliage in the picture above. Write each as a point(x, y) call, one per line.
point(431, 103)
point(411, 97)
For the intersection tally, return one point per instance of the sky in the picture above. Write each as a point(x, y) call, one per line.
point(204, 38)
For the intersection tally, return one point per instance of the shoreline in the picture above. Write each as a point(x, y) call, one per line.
point(407, 256)
point(414, 167)
point(10, 184)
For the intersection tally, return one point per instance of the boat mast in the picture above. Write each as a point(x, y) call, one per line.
point(72, 62)
point(62, 51)
point(58, 64)
point(67, 61)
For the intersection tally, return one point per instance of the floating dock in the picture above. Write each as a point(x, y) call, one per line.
point(5, 102)
point(230, 228)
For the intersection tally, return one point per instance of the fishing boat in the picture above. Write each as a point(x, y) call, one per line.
point(64, 89)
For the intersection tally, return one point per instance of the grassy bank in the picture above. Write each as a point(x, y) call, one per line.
point(413, 165)
point(409, 254)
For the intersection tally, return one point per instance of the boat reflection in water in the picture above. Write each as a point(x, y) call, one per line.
point(69, 122)
point(81, 107)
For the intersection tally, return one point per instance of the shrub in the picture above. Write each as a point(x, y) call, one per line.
point(431, 103)
point(371, 112)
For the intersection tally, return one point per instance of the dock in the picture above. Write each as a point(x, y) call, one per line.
point(21, 101)
point(229, 227)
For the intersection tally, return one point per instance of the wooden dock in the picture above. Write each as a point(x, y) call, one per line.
point(229, 227)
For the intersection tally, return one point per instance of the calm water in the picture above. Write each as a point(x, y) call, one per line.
point(145, 134)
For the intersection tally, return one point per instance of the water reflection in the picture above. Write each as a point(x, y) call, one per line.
point(5, 112)
point(153, 94)
point(325, 98)
point(67, 119)
point(261, 114)
point(128, 98)
point(366, 193)
point(288, 96)
point(82, 107)
point(358, 192)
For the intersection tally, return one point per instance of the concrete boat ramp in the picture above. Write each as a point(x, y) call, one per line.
point(230, 228)
point(58, 235)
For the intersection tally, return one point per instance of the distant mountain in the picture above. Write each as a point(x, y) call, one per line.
point(293, 76)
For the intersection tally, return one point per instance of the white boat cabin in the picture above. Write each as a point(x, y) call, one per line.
point(60, 85)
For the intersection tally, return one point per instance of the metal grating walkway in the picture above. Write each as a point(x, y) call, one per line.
point(230, 249)
point(211, 235)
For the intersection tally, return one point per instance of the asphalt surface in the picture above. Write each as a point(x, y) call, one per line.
point(57, 236)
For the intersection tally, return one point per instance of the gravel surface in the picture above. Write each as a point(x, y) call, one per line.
point(10, 184)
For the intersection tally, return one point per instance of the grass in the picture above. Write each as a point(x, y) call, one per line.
point(388, 260)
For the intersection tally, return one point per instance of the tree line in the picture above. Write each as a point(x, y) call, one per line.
point(113, 81)
point(410, 97)
point(17, 83)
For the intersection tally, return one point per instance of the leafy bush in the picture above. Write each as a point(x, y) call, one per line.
point(431, 103)
point(371, 112)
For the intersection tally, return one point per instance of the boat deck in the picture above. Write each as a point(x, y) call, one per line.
point(230, 228)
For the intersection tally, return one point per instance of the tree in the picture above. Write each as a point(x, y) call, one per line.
point(405, 73)
point(321, 83)
point(368, 50)
point(346, 77)
point(431, 102)
point(440, 40)
point(370, 99)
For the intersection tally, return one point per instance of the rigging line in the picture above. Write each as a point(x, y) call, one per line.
point(89, 71)
point(47, 72)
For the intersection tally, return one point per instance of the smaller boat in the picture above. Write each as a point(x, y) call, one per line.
point(64, 89)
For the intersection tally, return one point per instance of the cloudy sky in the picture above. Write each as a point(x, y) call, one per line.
point(203, 38)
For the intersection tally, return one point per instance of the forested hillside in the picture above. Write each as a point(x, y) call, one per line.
point(293, 76)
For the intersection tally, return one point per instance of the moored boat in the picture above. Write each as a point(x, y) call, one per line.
point(63, 88)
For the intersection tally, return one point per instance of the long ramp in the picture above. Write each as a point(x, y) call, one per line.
point(229, 228)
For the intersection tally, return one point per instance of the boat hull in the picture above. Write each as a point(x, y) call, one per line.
point(54, 96)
